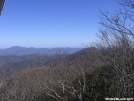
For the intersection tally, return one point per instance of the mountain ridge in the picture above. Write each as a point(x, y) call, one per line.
point(18, 50)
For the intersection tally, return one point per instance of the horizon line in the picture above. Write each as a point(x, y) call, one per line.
point(41, 47)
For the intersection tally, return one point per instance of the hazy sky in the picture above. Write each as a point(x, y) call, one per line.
point(51, 23)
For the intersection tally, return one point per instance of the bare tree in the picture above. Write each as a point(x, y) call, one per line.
point(117, 47)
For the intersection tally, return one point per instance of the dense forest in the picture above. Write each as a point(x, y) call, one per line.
point(103, 70)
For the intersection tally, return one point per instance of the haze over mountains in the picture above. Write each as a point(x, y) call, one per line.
point(17, 50)
point(21, 57)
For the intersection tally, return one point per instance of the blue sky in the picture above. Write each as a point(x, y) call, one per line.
point(51, 23)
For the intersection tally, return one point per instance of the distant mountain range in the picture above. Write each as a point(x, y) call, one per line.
point(20, 61)
point(17, 50)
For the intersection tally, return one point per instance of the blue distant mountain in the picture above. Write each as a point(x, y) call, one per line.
point(17, 50)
